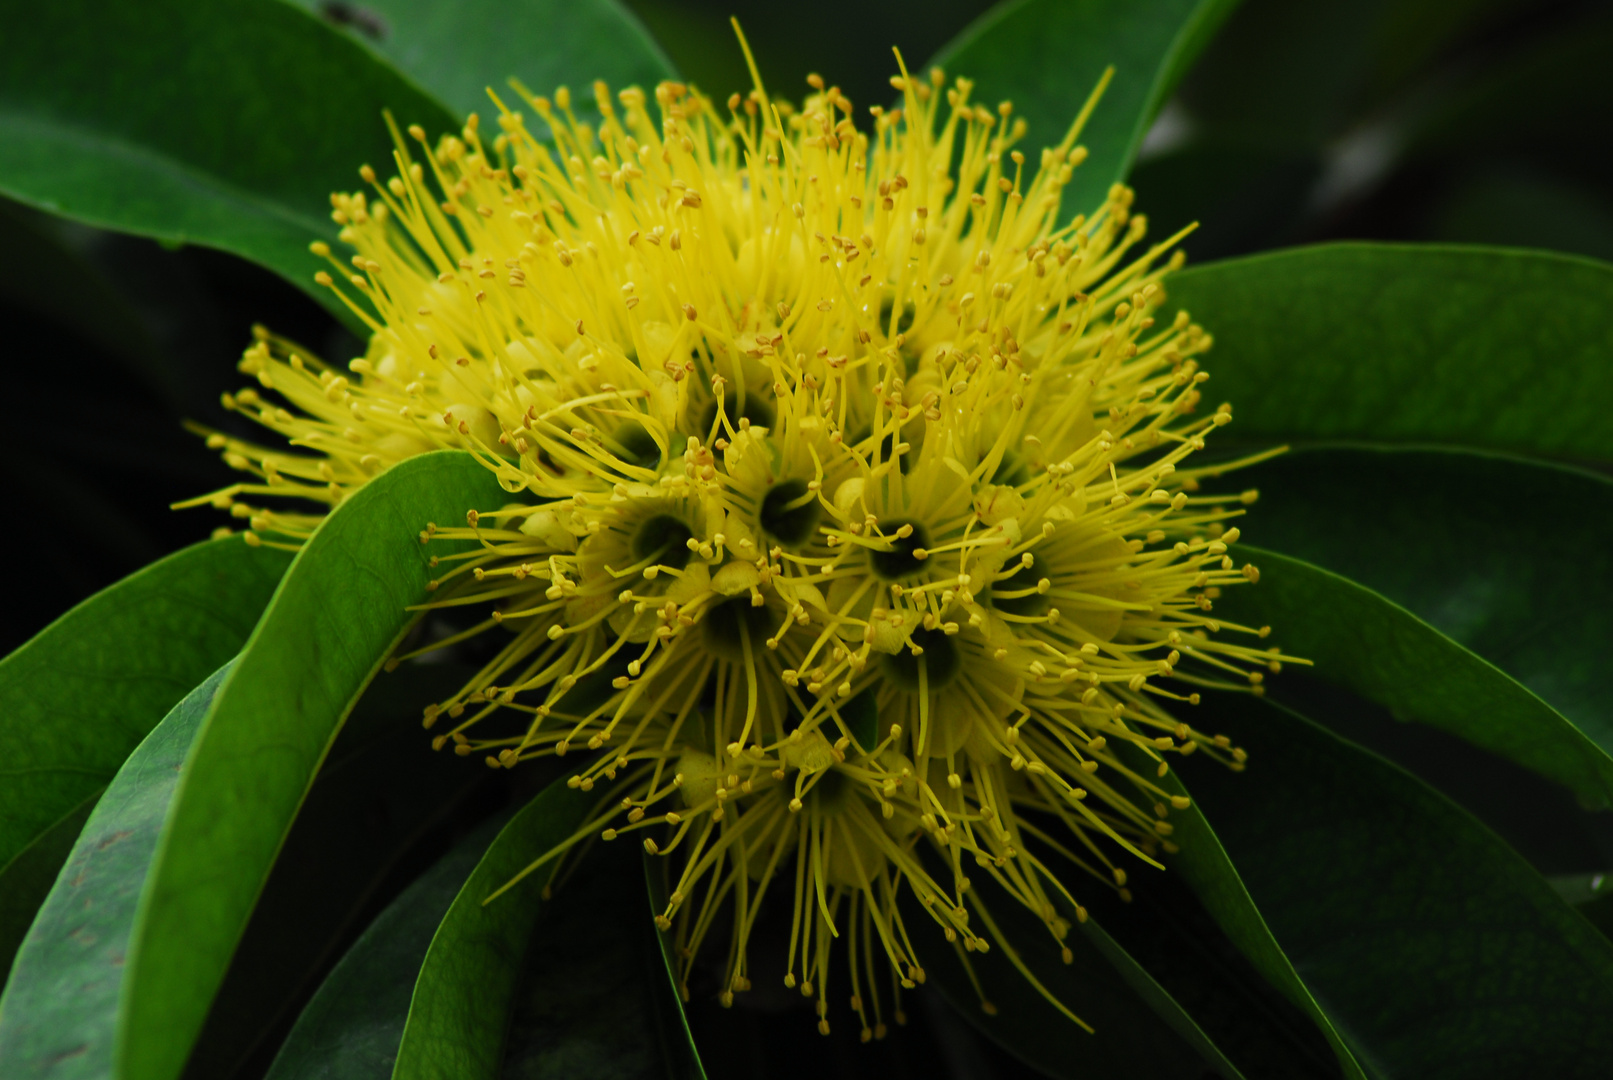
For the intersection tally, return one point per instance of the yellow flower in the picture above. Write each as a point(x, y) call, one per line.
point(848, 511)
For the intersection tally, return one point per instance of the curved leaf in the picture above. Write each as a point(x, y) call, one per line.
point(27, 879)
point(380, 800)
point(226, 124)
point(458, 51)
point(1411, 343)
point(1046, 56)
point(351, 1028)
point(1508, 557)
point(79, 697)
point(1434, 948)
point(1389, 656)
point(58, 1017)
point(460, 1010)
point(332, 622)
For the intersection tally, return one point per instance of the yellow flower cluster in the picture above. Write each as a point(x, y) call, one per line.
point(849, 543)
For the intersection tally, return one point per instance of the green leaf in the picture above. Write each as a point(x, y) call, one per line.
point(1436, 950)
point(381, 798)
point(1138, 1028)
point(1445, 534)
point(458, 51)
point(1410, 343)
point(58, 1017)
point(677, 1039)
point(79, 697)
point(460, 1011)
point(337, 614)
point(1387, 655)
point(27, 879)
point(1046, 57)
point(351, 1028)
point(226, 124)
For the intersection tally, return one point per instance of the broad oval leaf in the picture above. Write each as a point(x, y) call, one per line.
point(226, 124)
point(27, 879)
point(1386, 654)
point(58, 1017)
point(464, 993)
point(1434, 948)
point(458, 51)
point(1507, 556)
point(1490, 347)
point(79, 697)
point(338, 612)
point(1046, 56)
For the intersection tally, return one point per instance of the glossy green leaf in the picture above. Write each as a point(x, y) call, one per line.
point(81, 695)
point(226, 124)
point(351, 1028)
point(382, 798)
point(1508, 557)
point(27, 879)
point(337, 614)
point(1410, 343)
point(458, 51)
point(1391, 657)
point(462, 999)
point(1436, 950)
point(1046, 56)
point(58, 1017)
point(1138, 1028)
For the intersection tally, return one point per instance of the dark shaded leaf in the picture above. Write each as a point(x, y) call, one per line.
point(457, 52)
point(336, 616)
point(1411, 343)
point(1434, 948)
point(1389, 656)
point(1046, 57)
point(226, 124)
point(351, 1028)
point(79, 697)
point(460, 1012)
point(58, 1017)
point(1508, 557)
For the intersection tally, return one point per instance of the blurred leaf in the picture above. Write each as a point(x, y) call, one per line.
point(337, 614)
point(1138, 1028)
point(1435, 949)
point(1525, 208)
point(460, 1012)
point(1047, 56)
point(226, 124)
point(1387, 655)
point(351, 1028)
point(78, 698)
point(26, 880)
point(59, 1014)
point(1446, 535)
point(458, 51)
point(380, 796)
point(1419, 343)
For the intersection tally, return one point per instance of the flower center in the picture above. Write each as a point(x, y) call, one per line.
point(790, 512)
point(940, 661)
point(662, 539)
point(729, 623)
point(899, 562)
